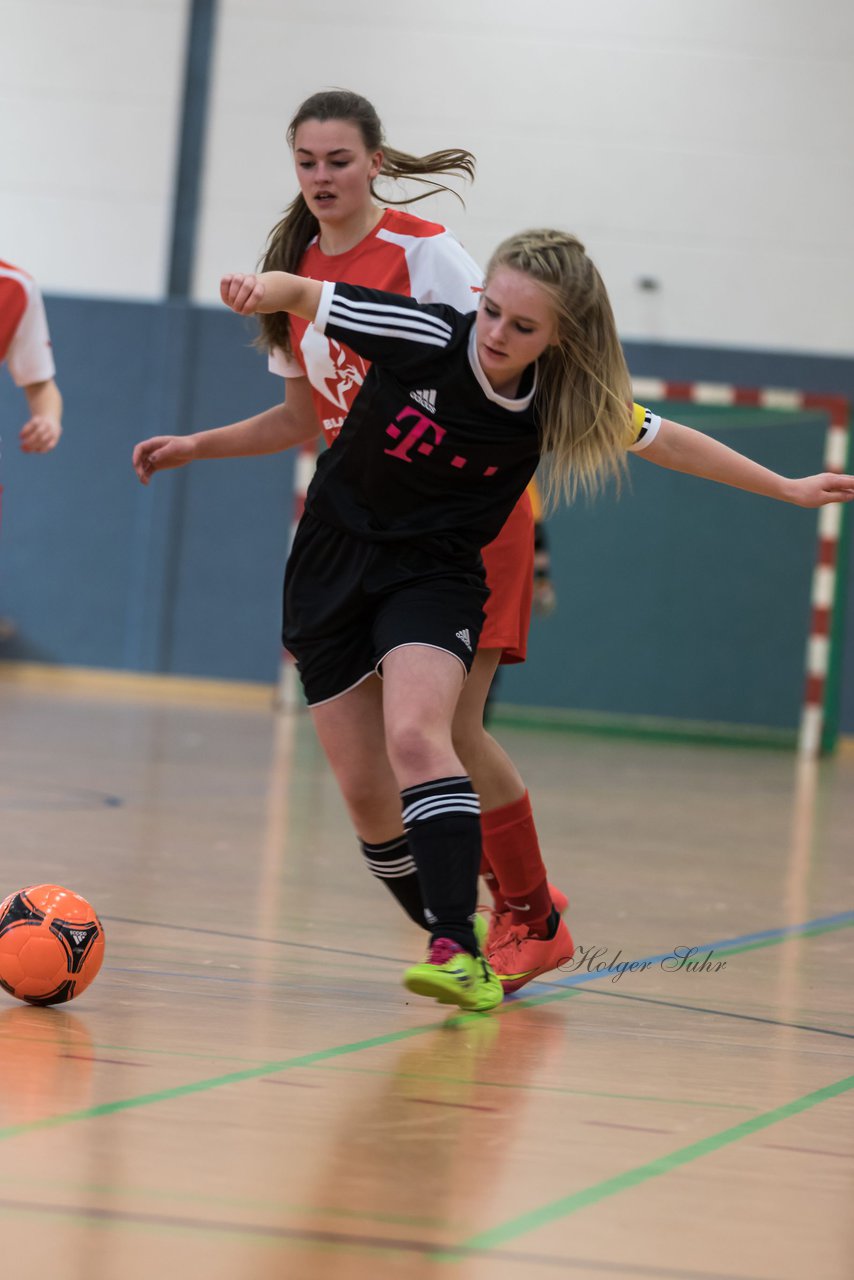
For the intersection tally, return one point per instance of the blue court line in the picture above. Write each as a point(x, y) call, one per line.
point(559, 991)
point(740, 941)
point(841, 920)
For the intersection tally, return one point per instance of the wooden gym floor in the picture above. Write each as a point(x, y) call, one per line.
point(248, 1092)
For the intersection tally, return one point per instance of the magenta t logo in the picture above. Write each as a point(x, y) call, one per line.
point(415, 433)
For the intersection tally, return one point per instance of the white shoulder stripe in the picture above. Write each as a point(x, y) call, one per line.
point(426, 339)
point(10, 273)
point(366, 304)
point(412, 333)
point(391, 318)
point(409, 326)
point(390, 314)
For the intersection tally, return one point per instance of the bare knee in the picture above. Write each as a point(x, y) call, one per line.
point(419, 752)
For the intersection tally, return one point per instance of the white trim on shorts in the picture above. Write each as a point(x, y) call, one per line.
point(421, 644)
point(375, 671)
point(349, 689)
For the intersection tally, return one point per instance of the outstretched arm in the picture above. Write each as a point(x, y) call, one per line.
point(680, 448)
point(276, 429)
point(271, 291)
point(269, 432)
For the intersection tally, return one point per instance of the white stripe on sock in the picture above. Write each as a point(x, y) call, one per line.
point(429, 808)
point(397, 867)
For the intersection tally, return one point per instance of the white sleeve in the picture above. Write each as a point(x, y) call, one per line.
point(30, 357)
point(285, 366)
point(440, 269)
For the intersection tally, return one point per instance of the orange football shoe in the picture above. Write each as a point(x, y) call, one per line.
point(519, 958)
point(500, 921)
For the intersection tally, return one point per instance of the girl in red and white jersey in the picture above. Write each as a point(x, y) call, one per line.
point(334, 230)
point(25, 347)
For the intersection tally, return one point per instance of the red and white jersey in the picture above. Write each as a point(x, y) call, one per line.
point(24, 337)
point(403, 254)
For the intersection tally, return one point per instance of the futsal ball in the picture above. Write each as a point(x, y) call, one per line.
point(51, 944)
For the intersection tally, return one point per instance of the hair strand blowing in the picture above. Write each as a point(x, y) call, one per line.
point(291, 236)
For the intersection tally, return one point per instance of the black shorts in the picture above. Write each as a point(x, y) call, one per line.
point(349, 602)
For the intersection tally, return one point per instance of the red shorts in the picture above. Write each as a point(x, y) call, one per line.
point(509, 562)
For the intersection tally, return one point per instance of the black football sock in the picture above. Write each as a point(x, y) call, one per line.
point(552, 922)
point(442, 822)
point(393, 864)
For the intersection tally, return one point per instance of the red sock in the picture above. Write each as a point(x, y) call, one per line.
point(512, 849)
point(492, 883)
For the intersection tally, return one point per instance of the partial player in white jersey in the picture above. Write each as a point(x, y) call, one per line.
point(26, 349)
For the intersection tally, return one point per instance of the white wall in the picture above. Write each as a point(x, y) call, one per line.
point(704, 143)
point(90, 100)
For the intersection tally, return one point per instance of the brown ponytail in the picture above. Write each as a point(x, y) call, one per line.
point(290, 237)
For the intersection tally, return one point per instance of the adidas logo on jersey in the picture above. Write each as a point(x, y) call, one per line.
point(427, 400)
point(465, 637)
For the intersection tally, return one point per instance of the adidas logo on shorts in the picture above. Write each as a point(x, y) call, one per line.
point(427, 399)
point(465, 637)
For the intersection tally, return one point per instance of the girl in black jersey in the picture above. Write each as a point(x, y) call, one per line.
point(337, 228)
point(385, 574)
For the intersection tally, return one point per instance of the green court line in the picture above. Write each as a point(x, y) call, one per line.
point(525, 1223)
point(338, 1051)
point(542, 1088)
point(567, 1205)
point(204, 1086)
point(254, 1073)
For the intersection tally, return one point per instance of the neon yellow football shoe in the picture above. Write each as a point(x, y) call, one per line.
point(453, 976)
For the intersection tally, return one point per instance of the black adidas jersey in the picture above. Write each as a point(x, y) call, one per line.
point(428, 447)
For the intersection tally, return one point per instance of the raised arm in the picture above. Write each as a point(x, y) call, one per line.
point(271, 291)
point(680, 448)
